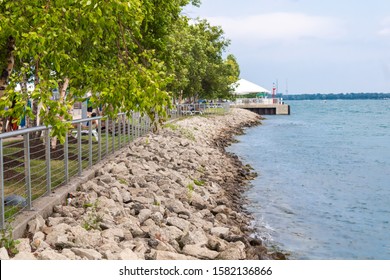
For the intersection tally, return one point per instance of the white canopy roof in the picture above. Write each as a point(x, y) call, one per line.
point(243, 86)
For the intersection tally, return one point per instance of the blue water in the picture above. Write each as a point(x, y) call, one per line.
point(323, 190)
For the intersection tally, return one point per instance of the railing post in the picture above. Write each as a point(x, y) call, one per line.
point(132, 126)
point(2, 208)
point(113, 136)
point(107, 133)
point(119, 131)
point(147, 124)
point(142, 125)
point(128, 128)
point(79, 149)
point(144, 118)
point(124, 128)
point(139, 125)
point(48, 162)
point(66, 158)
point(27, 170)
point(90, 144)
point(99, 139)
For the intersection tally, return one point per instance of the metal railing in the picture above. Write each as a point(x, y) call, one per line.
point(31, 166)
point(181, 110)
point(265, 101)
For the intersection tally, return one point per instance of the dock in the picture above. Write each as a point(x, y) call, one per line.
point(263, 106)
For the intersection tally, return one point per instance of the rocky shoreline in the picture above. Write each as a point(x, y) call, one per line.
point(173, 195)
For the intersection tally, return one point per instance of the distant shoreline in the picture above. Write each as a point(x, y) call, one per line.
point(336, 96)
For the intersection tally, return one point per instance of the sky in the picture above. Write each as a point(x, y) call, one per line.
point(306, 46)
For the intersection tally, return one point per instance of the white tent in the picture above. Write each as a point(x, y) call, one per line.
point(243, 86)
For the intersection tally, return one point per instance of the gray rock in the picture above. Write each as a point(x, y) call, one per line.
point(178, 222)
point(39, 245)
point(199, 252)
point(220, 231)
point(126, 196)
point(198, 202)
point(222, 218)
point(3, 254)
point(57, 234)
point(177, 207)
point(24, 256)
point(109, 245)
point(217, 244)
point(219, 209)
point(35, 225)
point(50, 254)
point(23, 245)
point(90, 254)
point(165, 255)
point(144, 214)
point(172, 233)
point(234, 251)
point(106, 178)
point(157, 217)
point(120, 168)
point(128, 254)
point(114, 234)
point(194, 237)
point(68, 254)
point(116, 195)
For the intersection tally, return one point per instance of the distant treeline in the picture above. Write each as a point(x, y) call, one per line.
point(332, 96)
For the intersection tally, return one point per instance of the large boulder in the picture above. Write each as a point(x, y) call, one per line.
point(234, 251)
point(200, 252)
point(35, 224)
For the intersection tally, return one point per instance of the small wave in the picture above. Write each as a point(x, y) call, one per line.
point(284, 209)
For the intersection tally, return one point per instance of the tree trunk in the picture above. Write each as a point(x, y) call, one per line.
point(62, 90)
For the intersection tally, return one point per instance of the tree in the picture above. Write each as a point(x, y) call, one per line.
point(129, 54)
point(196, 60)
point(83, 46)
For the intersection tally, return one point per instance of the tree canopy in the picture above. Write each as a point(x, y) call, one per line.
point(129, 55)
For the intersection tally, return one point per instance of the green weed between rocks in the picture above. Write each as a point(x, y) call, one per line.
point(199, 182)
point(171, 126)
point(184, 131)
point(190, 190)
point(188, 134)
point(7, 240)
point(93, 220)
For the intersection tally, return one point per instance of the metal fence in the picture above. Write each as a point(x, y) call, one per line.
point(266, 101)
point(32, 164)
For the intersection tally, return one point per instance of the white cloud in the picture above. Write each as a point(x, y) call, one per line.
point(384, 32)
point(385, 29)
point(280, 27)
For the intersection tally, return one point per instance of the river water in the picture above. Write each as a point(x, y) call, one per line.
point(323, 190)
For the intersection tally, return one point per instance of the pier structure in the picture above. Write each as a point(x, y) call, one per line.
point(263, 106)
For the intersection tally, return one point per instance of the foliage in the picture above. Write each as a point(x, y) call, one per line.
point(93, 219)
point(171, 126)
point(197, 63)
point(190, 190)
point(127, 54)
point(199, 182)
point(7, 241)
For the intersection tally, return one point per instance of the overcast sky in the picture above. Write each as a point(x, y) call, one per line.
point(313, 46)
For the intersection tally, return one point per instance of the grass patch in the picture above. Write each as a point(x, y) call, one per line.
point(171, 126)
point(199, 182)
point(188, 134)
